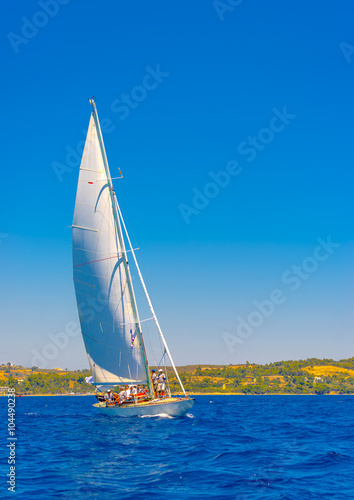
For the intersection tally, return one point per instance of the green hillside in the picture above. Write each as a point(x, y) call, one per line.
point(310, 376)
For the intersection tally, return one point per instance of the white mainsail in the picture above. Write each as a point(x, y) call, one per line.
point(105, 298)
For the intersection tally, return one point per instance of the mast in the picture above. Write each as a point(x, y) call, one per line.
point(114, 203)
point(149, 301)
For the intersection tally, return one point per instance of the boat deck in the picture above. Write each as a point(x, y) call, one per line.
point(151, 402)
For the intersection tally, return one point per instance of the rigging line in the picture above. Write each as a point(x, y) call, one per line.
point(133, 299)
point(147, 333)
point(149, 301)
point(99, 260)
point(162, 347)
point(134, 322)
point(147, 337)
point(136, 241)
point(162, 359)
point(126, 251)
point(119, 234)
point(91, 338)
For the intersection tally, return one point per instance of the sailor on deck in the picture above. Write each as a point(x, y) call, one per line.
point(161, 383)
point(109, 396)
point(127, 391)
point(154, 382)
point(122, 396)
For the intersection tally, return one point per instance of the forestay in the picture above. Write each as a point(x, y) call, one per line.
point(107, 310)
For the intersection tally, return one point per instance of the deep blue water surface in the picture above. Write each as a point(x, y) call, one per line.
point(228, 447)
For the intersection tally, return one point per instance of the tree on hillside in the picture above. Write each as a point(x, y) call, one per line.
point(12, 382)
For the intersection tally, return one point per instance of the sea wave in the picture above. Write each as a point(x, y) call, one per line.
point(274, 447)
point(159, 415)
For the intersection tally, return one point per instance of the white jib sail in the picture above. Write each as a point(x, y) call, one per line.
point(108, 320)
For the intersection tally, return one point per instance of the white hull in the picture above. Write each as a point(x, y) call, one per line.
point(173, 407)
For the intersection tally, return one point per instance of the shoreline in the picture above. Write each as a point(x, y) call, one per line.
point(191, 394)
point(269, 394)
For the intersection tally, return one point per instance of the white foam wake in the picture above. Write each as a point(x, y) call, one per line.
point(161, 415)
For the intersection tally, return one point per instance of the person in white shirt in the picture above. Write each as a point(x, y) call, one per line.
point(161, 384)
point(109, 396)
point(154, 382)
point(122, 396)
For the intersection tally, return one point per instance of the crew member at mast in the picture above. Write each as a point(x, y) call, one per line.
point(161, 384)
point(154, 382)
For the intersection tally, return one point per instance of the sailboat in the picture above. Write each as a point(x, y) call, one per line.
point(107, 306)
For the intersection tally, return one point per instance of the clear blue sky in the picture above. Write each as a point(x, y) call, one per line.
point(201, 83)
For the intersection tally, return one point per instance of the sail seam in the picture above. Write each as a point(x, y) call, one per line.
point(82, 227)
point(92, 170)
point(83, 283)
point(93, 261)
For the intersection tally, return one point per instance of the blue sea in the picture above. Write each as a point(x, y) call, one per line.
point(227, 447)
